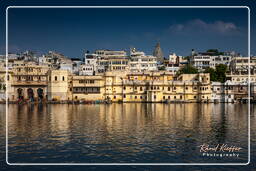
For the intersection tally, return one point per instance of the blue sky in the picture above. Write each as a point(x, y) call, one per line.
point(72, 31)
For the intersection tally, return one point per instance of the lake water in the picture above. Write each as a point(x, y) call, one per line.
point(124, 133)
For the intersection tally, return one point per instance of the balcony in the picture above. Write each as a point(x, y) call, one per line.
point(28, 83)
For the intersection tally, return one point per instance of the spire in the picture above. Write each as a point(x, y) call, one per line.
point(158, 53)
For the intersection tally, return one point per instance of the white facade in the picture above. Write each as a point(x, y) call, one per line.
point(86, 70)
point(67, 66)
point(110, 53)
point(141, 62)
point(221, 92)
point(172, 68)
point(240, 65)
point(173, 58)
point(201, 62)
point(90, 65)
point(204, 61)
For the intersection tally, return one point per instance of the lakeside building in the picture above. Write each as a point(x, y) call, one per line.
point(174, 63)
point(240, 65)
point(115, 76)
point(90, 66)
point(59, 85)
point(140, 62)
point(28, 82)
point(142, 87)
point(203, 60)
point(87, 88)
point(231, 92)
point(2, 84)
point(109, 60)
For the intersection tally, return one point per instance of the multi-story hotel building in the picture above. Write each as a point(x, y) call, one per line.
point(28, 82)
point(205, 60)
point(89, 88)
point(139, 62)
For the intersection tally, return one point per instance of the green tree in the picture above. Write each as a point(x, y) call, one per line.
point(213, 74)
point(213, 50)
point(187, 69)
point(221, 70)
point(161, 68)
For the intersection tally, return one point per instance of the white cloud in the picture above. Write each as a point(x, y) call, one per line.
point(200, 25)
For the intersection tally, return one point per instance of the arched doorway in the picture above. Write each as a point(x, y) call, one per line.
point(20, 94)
point(40, 94)
point(30, 94)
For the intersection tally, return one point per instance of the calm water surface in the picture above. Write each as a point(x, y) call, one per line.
point(148, 133)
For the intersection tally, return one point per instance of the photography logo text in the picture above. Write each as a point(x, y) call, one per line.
point(219, 150)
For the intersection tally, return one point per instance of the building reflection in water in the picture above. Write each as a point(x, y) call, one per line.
point(130, 132)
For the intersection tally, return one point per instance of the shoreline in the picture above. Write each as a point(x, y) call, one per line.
point(121, 102)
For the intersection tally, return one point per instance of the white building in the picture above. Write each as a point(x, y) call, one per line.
point(140, 62)
point(90, 65)
point(67, 67)
point(222, 92)
point(240, 65)
point(110, 53)
point(201, 62)
point(109, 60)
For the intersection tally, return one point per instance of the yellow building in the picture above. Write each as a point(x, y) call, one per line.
point(28, 82)
point(88, 88)
point(157, 87)
point(59, 85)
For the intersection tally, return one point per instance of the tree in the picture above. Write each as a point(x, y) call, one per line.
point(221, 70)
point(161, 68)
point(187, 69)
point(213, 50)
point(212, 72)
point(217, 74)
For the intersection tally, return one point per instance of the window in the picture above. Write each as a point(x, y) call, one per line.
point(169, 97)
point(169, 88)
point(135, 97)
point(63, 78)
point(180, 97)
point(140, 88)
point(114, 97)
point(174, 88)
point(154, 96)
point(56, 78)
point(124, 96)
point(140, 97)
point(194, 97)
point(163, 97)
point(124, 88)
point(174, 97)
point(186, 88)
